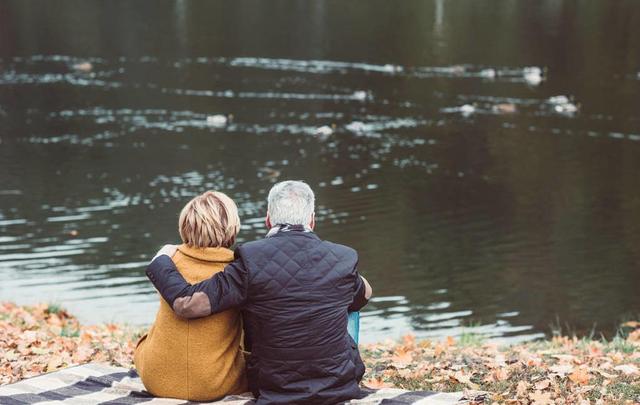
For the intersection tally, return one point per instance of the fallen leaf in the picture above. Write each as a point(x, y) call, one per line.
point(500, 360)
point(561, 370)
point(406, 373)
point(500, 374)
point(401, 359)
point(616, 357)
point(522, 388)
point(580, 376)
point(409, 340)
point(465, 379)
point(82, 354)
point(606, 375)
point(54, 363)
point(541, 398)
point(584, 389)
point(376, 384)
point(40, 351)
point(564, 358)
point(543, 384)
point(627, 369)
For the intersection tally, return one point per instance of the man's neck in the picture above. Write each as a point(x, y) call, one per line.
point(287, 228)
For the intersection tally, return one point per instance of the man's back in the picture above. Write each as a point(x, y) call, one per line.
point(299, 283)
point(300, 289)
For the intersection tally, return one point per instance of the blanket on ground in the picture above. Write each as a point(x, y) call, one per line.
point(92, 384)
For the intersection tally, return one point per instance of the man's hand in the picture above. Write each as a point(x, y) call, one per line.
point(168, 250)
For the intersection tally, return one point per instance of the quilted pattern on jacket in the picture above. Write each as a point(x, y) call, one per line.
point(300, 288)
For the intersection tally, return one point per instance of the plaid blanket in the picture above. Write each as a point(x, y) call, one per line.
point(92, 384)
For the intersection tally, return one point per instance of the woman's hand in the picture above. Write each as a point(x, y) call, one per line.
point(168, 250)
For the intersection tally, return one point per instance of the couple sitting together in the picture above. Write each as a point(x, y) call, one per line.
point(285, 299)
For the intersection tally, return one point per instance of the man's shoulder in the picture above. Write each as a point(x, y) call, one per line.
point(274, 242)
point(259, 246)
point(252, 245)
point(341, 250)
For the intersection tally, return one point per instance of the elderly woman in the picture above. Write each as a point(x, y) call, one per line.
point(197, 359)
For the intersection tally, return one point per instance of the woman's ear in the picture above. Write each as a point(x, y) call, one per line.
point(312, 225)
point(267, 221)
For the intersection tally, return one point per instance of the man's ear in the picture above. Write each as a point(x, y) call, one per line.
point(312, 225)
point(267, 221)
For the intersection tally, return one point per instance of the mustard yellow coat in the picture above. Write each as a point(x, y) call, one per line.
point(198, 359)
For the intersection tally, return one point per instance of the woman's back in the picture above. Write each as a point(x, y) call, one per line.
point(197, 359)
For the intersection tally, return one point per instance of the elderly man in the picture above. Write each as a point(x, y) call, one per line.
point(295, 290)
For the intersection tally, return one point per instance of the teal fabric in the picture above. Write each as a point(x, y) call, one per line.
point(353, 326)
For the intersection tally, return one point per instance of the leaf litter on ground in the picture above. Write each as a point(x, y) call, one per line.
point(563, 370)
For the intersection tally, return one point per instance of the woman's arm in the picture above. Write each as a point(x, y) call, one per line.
point(224, 290)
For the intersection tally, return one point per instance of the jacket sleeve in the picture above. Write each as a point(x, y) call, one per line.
point(359, 296)
point(224, 290)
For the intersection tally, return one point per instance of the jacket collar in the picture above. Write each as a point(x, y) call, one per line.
point(209, 254)
point(282, 228)
point(295, 233)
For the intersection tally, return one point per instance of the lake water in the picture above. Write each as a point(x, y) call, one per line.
point(476, 201)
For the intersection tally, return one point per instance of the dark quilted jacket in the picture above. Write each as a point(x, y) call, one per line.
point(295, 290)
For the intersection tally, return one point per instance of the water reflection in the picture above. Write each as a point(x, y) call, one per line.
point(478, 198)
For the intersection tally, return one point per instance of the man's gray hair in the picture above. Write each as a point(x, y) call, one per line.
point(291, 202)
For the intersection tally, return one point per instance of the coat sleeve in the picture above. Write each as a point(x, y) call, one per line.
point(224, 290)
point(359, 296)
point(359, 289)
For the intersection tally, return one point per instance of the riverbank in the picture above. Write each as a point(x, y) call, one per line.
point(44, 338)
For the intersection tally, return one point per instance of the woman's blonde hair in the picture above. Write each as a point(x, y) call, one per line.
point(209, 220)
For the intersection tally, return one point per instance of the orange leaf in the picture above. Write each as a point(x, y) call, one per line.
point(376, 384)
point(500, 374)
point(402, 358)
point(451, 341)
point(580, 376)
point(409, 340)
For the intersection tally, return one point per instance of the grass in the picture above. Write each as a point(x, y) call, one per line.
point(620, 344)
point(471, 339)
point(625, 390)
point(53, 308)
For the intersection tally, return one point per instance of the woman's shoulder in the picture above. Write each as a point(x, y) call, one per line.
point(206, 254)
point(198, 264)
